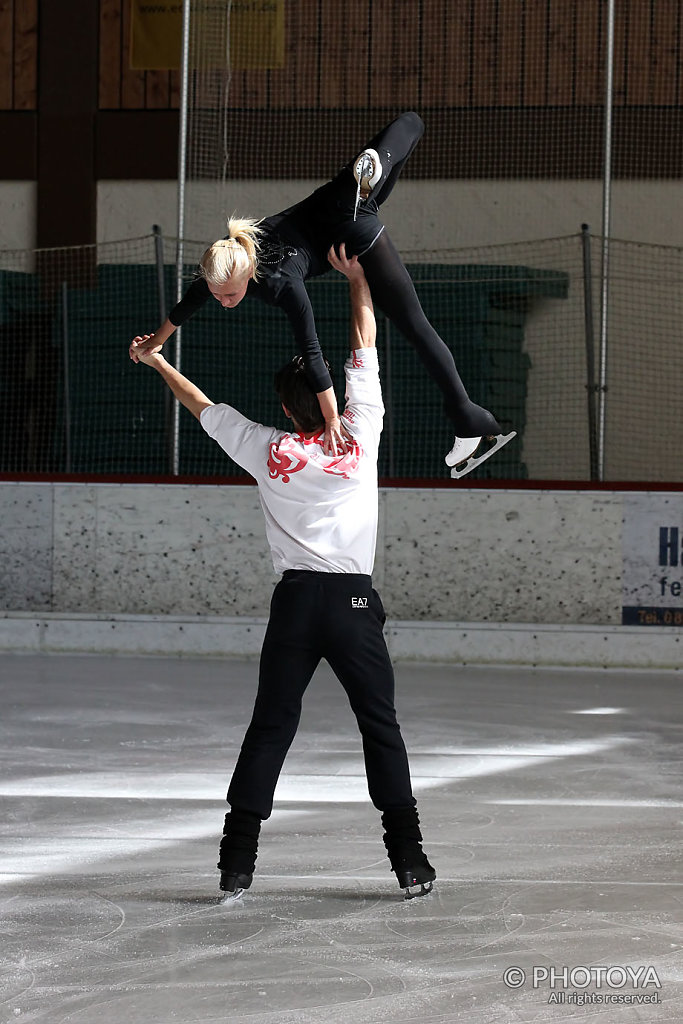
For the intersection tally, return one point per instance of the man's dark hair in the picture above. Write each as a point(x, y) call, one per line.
point(296, 394)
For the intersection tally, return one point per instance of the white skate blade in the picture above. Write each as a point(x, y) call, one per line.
point(412, 892)
point(473, 462)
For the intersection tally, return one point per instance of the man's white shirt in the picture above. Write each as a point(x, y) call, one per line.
point(320, 510)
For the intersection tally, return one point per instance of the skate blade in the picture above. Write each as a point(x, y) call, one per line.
point(413, 892)
point(459, 471)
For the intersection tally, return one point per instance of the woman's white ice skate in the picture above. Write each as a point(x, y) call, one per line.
point(367, 170)
point(462, 455)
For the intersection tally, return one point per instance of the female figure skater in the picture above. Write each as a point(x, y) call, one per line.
point(270, 260)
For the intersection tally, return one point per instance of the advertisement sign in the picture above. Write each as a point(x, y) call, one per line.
point(652, 551)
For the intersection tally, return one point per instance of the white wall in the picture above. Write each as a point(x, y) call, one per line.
point(17, 214)
point(420, 215)
point(443, 555)
point(466, 576)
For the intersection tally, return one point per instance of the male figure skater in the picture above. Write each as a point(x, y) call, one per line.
point(321, 524)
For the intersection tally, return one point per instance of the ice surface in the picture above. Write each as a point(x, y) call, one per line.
point(551, 807)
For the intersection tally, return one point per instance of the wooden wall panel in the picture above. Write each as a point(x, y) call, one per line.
point(304, 68)
point(382, 72)
point(534, 72)
point(638, 53)
point(26, 55)
point(250, 89)
point(157, 90)
point(620, 69)
point(6, 54)
point(237, 89)
point(334, 54)
point(110, 54)
point(357, 60)
point(255, 86)
point(18, 54)
point(174, 85)
point(589, 84)
point(509, 91)
point(404, 58)
point(340, 57)
point(484, 52)
point(433, 54)
point(457, 70)
point(121, 87)
point(666, 52)
point(561, 52)
point(365, 54)
point(495, 75)
point(132, 82)
point(301, 37)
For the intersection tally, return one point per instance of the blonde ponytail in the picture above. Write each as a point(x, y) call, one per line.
point(234, 256)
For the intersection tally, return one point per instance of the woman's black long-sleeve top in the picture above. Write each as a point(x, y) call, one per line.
point(293, 247)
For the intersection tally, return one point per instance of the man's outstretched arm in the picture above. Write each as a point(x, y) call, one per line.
point(363, 327)
point(184, 390)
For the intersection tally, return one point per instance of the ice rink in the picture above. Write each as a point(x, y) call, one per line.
point(551, 805)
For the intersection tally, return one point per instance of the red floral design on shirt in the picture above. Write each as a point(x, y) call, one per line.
point(347, 464)
point(285, 458)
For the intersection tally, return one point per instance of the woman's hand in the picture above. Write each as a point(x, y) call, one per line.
point(336, 438)
point(143, 345)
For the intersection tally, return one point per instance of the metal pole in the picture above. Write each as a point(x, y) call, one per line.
point(67, 389)
point(169, 401)
point(591, 388)
point(606, 213)
point(159, 260)
point(180, 255)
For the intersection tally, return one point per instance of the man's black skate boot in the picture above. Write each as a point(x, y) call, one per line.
point(238, 851)
point(409, 863)
point(413, 872)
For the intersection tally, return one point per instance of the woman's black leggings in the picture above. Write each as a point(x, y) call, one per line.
point(394, 293)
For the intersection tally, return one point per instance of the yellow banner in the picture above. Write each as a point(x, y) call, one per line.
point(237, 35)
point(156, 31)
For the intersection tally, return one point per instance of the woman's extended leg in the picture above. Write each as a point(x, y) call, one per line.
point(394, 144)
point(394, 293)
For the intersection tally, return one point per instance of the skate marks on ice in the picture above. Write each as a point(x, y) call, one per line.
point(553, 834)
point(167, 958)
point(303, 952)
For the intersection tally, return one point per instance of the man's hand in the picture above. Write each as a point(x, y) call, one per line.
point(143, 350)
point(143, 345)
point(336, 438)
point(350, 268)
